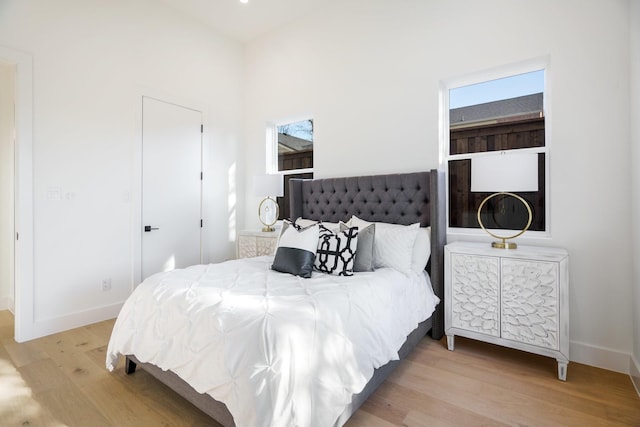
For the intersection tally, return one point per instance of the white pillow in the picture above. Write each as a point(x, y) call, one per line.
point(421, 250)
point(393, 244)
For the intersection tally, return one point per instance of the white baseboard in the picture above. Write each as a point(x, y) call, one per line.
point(634, 372)
point(43, 327)
point(7, 303)
point(600, 357)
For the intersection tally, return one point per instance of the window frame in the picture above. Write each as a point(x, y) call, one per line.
point(508, 70)
point(272, 146)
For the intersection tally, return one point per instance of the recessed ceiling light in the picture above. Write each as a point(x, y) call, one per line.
point(244, 1)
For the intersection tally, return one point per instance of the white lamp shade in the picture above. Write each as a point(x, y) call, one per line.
point(268, 185)
point(504, 171)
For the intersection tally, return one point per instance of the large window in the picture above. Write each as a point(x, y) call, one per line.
point(494, 115)
point(290, 153)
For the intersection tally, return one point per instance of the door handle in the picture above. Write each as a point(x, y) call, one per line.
point(148, 228)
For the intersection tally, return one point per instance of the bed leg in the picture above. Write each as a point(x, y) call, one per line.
point(129, 366)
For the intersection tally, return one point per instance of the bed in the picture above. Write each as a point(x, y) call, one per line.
point(394, 199)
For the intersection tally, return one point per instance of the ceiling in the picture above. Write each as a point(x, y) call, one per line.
point(244, 22)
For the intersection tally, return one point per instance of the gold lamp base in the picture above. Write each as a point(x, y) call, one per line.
point(268, 229)
point(503, 244)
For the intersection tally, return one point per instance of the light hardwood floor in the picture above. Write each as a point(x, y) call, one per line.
point(61, 380)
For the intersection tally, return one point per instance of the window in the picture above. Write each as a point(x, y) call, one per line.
point(290, 147)
point(290, 153)
point(492, 115)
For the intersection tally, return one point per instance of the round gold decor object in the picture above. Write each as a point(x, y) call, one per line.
point(503, 244)
point(268, 212)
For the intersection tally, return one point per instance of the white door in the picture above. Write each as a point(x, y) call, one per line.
point(171, 186)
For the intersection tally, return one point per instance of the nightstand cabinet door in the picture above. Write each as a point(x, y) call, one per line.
point(474, 290)
point(266, 245)
point(529, 300)
point(251, 243)
point(246, 246)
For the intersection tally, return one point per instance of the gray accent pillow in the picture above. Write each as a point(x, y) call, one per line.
point(364, 249)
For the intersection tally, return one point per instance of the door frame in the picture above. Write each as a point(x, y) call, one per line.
point(137, 225)
point(26, 327)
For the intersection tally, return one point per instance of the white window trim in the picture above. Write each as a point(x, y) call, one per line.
point(535, 64)
point(271, 147)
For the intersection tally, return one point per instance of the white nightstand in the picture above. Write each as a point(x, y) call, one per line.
point(251, 243)
point(517, 298)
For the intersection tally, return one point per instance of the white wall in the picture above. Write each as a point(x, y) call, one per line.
point(93, 60)
point(370, 76)
point(6, 185)
point(634, 51)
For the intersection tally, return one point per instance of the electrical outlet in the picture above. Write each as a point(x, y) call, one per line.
point(106, 284)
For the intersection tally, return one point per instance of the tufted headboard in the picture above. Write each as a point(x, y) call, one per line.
point(395, 198)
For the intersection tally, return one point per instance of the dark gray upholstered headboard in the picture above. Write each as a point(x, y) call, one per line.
point(396, 198)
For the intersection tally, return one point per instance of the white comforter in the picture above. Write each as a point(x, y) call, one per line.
point(278, 350)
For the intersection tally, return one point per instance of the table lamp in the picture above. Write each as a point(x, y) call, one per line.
point(268, 187)
point(504, 173)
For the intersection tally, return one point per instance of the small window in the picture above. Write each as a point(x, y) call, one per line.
point(290, 153)
point(501, 114)
point(295, 146)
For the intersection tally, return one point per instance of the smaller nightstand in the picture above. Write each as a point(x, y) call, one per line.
point(251, 243)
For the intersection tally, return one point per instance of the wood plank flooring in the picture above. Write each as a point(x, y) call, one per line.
point(61, 380)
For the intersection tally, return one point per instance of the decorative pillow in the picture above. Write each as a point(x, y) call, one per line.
point(364, 250)
point(421, 250)
point(333, 226)
point(336, 251)
point(303, 222)
point(296, 250)
point(393, 244)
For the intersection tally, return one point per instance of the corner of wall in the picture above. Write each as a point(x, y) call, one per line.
point(7, 303)
point(600, 357)
point(634, 373)
point(634, 109)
